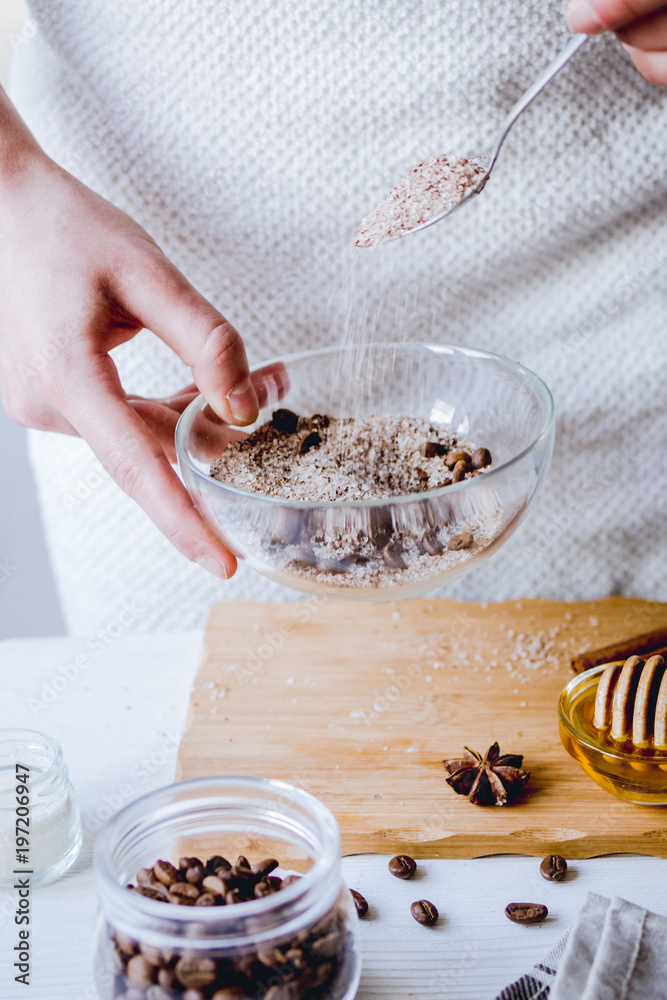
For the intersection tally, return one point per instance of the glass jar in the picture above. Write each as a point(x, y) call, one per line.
point(298, 942)
point(40, 826)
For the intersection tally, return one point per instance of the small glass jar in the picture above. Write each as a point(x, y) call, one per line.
point(299, 942)
point(40, 827)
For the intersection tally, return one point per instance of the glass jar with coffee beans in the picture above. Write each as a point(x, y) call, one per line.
point(224, 888)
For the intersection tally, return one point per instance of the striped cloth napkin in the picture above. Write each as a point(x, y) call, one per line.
point(614, 950)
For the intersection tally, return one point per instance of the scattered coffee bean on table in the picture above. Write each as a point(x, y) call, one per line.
point(360, 902)
point(424, 912)
point(553, 868)
point(403, 866)
point(526, 913)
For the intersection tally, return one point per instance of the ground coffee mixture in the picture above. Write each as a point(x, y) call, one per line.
point(329, 458)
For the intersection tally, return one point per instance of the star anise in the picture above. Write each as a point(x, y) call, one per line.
point(490, 780)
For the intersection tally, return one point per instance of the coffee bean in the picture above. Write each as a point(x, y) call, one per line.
point(216, 863)
point(146, 876)
point(284, 421)
point(319, 420)
point(452, 458)
point(196, 973)
point(381, 526)
point(424, 912)
point(205, 899)
point(194, 874)
point(184, 890)
point(464, 541)
point(166, 873)
point(166, 978)
point(263, 888)
point(360, 902)
point(264, 868)
point(422, 476)
point(140, 972)
point(480, 458)
point(392, 554)
point(433, 449)
point(214, 884)
point(312, 440)
point(459, 472)
point(125, 945)
point(403, 866)
point(152, 891)
point(431, 544)
point(553, 868)
point(185, 863)
point(526, 913)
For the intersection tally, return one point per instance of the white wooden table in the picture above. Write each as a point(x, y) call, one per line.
point(120, 720)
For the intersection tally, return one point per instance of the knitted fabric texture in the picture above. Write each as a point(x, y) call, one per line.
point(250, 138)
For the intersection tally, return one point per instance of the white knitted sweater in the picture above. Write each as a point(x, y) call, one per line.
point(250, 137)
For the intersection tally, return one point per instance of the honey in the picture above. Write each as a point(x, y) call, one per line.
point(635, 774)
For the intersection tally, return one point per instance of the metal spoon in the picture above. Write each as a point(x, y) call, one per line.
point(487, 163)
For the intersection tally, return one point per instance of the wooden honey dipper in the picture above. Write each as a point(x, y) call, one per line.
point(631, 701)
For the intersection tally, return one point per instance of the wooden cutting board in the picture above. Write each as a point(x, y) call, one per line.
point(359, 704)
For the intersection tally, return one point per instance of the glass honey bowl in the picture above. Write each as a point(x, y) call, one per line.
point(632, 773)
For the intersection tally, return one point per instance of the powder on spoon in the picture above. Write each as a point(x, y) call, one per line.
point(438, 184)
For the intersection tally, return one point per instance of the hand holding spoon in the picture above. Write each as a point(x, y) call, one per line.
point(440, 185)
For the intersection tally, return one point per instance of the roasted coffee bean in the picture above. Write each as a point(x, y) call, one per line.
point(403, 866)
point(360, 902)
point(312, 440)
point(146, 876)
point(140, 972)
point(263, 888)
point(526, 913)
point(284, 421)
point(327, 947)
point(184, 890)
point(205, 899)
point(214, 884)
point(185, 863)
point(166, 978)
point(433, 449)
point(422, 476)
point(217, 863)
point(166, 873)
point(156, 956)
point(480, 458)
point(319, 420)
point(424, 912)
point(392, 554)
point(460, 470)
point(125, 945)
point(152, 891)
point(452, 458)
point(196, 973)
point(464, 541)
point(263, 868)
point(194, 874)
point(431, 543)
point(381, 526)
point(553, 868)
point(233, 896)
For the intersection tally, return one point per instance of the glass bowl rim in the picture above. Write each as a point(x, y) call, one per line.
point(112, 832)
point(566, 697)
point(537, 384)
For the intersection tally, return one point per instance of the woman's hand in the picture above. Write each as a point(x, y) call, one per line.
point(641, 25)
point(77, 278)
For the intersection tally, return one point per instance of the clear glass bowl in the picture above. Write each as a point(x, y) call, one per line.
point(635, 774)
point(299, 942)
point(339, 548)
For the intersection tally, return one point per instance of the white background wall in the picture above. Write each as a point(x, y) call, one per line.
point(28, 600)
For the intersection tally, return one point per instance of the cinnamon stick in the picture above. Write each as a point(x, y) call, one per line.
point(651, 642)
